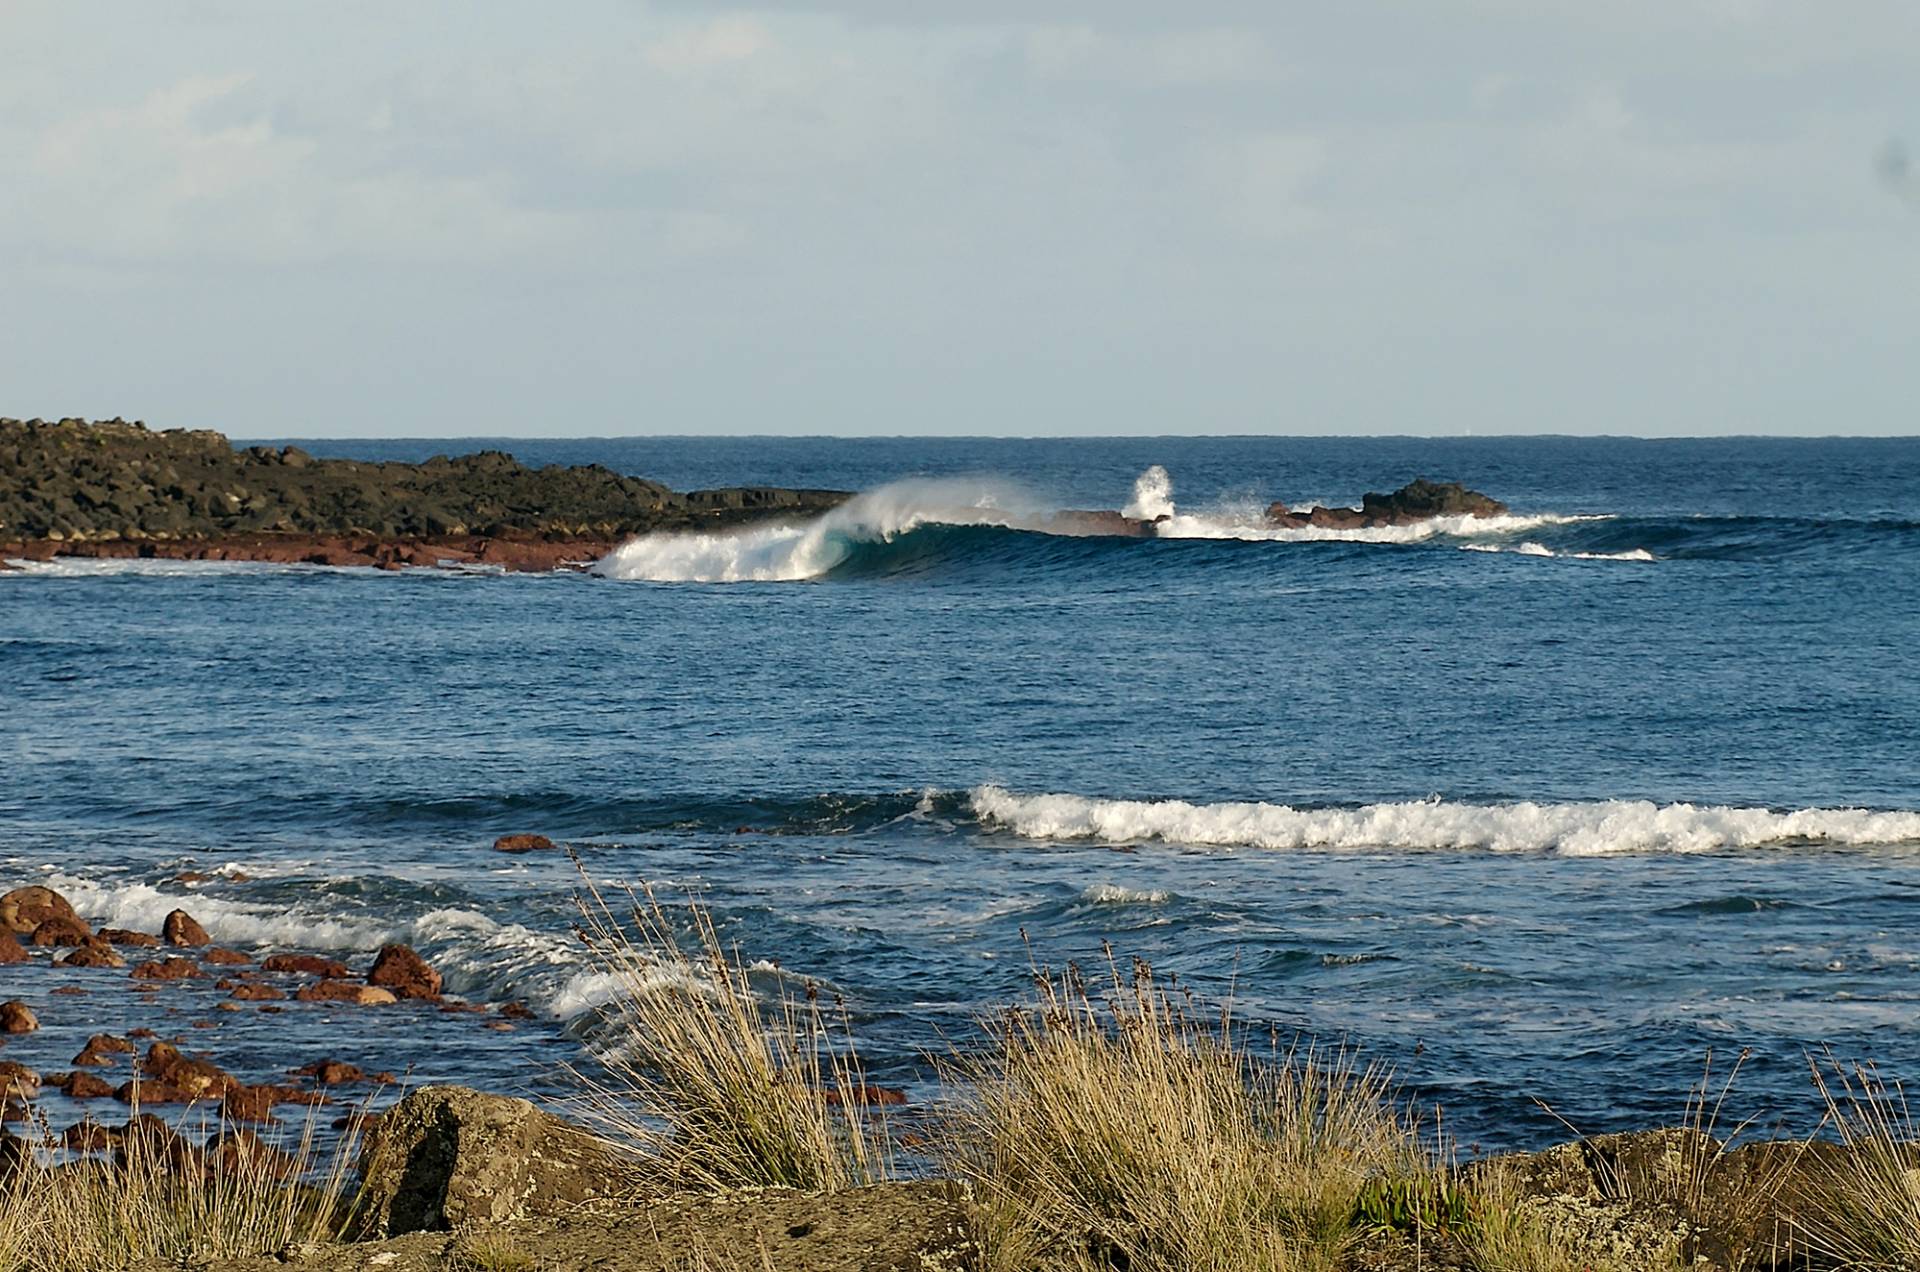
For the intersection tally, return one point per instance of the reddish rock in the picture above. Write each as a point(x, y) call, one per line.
point(258, 993)
point(15, 1109)
point(308, 965)
point(81, 1085)
point(330, 1072)
point(149, 1091)
point(522, 843)
point(86, 1136)
point(400, 969)
point(110, 1044)
point(129, 937)
point(60, 932)
point(304, 1096)
point(17, 1079)
point(462, 1009)
point(243, 1152)
point(249, 1104)
point(516, 1011)
point(339, 991)
point(24, 909)
point(143, 1033)
point(11, 950)
point(70, 991)
point(196, 1078)
point(225, 958)
point(167, 969)
point(182, 929)
point(17, 1018)
point(867, 1093)
point(93, 953)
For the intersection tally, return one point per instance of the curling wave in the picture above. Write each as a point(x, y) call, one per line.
point(1604, 828)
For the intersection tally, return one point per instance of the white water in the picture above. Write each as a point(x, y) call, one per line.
point(1530, 548)
point(791, 551)
point(1579, 829)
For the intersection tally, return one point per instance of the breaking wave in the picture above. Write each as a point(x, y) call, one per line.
point(1603, 828)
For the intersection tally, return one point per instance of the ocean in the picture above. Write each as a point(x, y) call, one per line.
point(1539, 812)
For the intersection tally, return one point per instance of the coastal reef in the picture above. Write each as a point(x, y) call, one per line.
point(114, 488)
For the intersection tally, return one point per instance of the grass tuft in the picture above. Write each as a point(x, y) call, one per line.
point(1869, 1216)
point(712, 1087)
point(1127, 1132)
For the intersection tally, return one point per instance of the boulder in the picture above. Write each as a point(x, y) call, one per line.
point(93, 952)
point(330, 1072)
point(257, 993)
point(17, 1018)
point(86, 1136)
point(249, 1104)
point(25, 909)
point(81, 1085)
point(308, 965)
point(225, 958)
point(1421, 499)
point(18, 1079)
point(181, 929)
point(404, 972)
point(447, 1157)
point(60, 932)
point(167, 969)
point(339, 991)
point(522, 843)
point(129, 937)
point(149, 1091)
point(197, 1079)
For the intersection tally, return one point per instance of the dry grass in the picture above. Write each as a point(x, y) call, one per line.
point(163, 1198)
point(1513, 1232)
point(1128, 1133)
point(1869, 1216)
point(712, 1087)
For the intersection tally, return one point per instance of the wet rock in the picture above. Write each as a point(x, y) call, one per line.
point(242, 1152)
point(149, 1091)
point(447, 1157)
point(60, 933)
point(516, 1011)
point(257, 993)
point(307, 965)
point(181, 929)
point(249, 1104)
point(24, 909)
point(197, 1078)
point(129, 938)
point(81, 1085)
point(108, 1044)
point(330, 1072)
point(94, 953)
point(17, 1018)
point(11, 950)
point(167, 969)
point(522, 843)
point(225, 958)
point(86, 1136)
point(405, 973)
point(337, 991)
point(1419, 500)
point(18, 1079)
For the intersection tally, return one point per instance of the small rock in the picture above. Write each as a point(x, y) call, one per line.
point(249, 1104)
point(17, 1018)
point(330, 1072)
point(308, 965)
point(81, 1085)
point(516, 1011)
point(11, 950)
point(522, 843)
point(86, 1136)
point(167, 969)
point(58, 932)
point(400, 969)
point(225, 958)
point(149, 1091)
point(255, 993)
point(338, 991)
point(92, 953)
point(182, 929)
point(129, 937)
point(17, 1079)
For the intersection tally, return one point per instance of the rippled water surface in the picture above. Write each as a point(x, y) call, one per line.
point(1534, 811)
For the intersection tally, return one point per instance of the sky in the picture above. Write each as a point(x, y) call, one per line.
point(603, 217)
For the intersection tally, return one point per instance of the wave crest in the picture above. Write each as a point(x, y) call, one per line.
point(1602, 828)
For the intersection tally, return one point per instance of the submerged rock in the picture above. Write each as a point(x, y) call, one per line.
point(448, 1156)
point(522, 843)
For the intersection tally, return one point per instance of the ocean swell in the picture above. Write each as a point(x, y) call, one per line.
point(1603, 828)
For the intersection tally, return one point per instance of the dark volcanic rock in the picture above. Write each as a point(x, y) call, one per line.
point(70, 483)
point(1419, 500)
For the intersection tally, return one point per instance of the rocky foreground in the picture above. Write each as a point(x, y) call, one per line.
point(117, 489)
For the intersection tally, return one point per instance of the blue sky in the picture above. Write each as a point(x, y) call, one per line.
point(350, 219)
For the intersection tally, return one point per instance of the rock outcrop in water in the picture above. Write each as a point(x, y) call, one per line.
point(117, 489)
point(1418, 500)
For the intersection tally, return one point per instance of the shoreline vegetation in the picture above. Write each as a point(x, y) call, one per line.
point(1111, 1122)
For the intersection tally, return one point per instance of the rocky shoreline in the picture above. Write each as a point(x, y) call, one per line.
point(115, 490)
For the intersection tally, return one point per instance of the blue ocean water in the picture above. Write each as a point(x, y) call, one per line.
point(1538, 812)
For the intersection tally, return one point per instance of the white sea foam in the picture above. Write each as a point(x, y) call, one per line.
point(790, 551)
point(144, 907)
point(1152, 495)
point(1575, 829)
point(1115, 894)
point(1529, 548)
point(152, 567)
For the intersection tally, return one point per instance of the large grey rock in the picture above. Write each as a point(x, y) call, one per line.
point(451, 1157)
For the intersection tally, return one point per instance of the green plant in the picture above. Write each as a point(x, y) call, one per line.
point(708, 1084)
